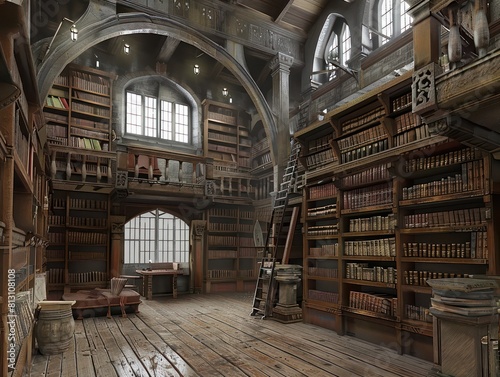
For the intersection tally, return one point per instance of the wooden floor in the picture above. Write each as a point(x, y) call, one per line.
point(214, 335)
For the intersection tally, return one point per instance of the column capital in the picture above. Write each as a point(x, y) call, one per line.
point(281, 61)
point(198, 228)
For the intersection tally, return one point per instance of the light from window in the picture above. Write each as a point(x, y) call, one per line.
point(150, 116)
point(386, 20)
point(166, 125)
point(169, 122)
point(134, 113)
point(346, 44)
point(182, 123)
point(406, 20)
point(156, 236)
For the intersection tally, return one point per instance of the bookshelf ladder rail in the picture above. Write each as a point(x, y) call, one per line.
point(275, 238)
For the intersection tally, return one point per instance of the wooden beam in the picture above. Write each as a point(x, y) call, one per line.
point(167, 49)
point(283, 11)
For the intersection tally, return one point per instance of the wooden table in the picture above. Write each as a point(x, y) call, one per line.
point(148, 280)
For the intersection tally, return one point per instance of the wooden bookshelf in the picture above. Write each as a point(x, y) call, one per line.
point(78, 250)
point(231, 253)
point(78, 113)
point(395, 208)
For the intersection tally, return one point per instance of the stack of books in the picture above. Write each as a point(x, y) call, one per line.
point(463, 296)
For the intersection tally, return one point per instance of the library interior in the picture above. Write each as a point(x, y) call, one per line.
point(249, 188)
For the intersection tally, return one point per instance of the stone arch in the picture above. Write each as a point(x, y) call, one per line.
point(98, 29)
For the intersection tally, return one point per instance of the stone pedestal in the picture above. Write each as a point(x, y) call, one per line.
point(287, 310)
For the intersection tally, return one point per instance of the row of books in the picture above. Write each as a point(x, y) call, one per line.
point(57, 131)
point(446, 159)
point(246, 241)
point(361, 271)
point(88, 221)
point(381, 247)
point(322, 272)
point(322, 230)
point(92, 97)
point(55, 276)
point(215, 254)
point(57, 220)
point(55, 254)
point(222, 240)
point(319, 144)
point(331, 297)
point(87, 255)
point(222, 137)
point(373, 223)
point(226, 117)
point(222, 274)
point(250, 252)
point(89, 133)
point(80, 122)
point(372, 302)
point(94, 277)
point(223, 212)
point(316, 160)
point(365, 151)
point(221, 148)
point(222, 227)
point(368, 196)
point(87, 143)
point(325, 210)
point(364, 137)
point(362, 120)
point(375, 173)
point(244, 162)
point(246, 215)
point(91, 83)
point(409, 136)
point(401, 102)
point(56, 238)
point(80, 203)
point(323, 191)
point(247, 273)
point(406, 121)
point(247, 228)
point(89, 109)
point(418, 313)
point(420, 277)
point(445, 186)
point(57, 102)
point(87, 238)
point(476, 248)
point(459, 217)
point(327, 250)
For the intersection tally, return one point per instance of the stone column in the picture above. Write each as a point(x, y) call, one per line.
point(280, 72)
point(196, 260)
point(117, 245)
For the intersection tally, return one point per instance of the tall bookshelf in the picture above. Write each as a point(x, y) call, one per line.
point(231, 254)
point(78, 251)
point(395, 207)
point(78, 113)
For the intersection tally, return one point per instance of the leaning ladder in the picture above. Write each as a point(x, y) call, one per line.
point(277, 235)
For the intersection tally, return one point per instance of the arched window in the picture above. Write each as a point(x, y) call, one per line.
point(156, 236)
point(155, 111)
point(393, 19)
point(335, 50)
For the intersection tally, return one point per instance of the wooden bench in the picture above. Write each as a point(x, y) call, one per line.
point(159, 269)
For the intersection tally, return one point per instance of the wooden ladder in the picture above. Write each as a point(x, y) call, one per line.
point(278, 239)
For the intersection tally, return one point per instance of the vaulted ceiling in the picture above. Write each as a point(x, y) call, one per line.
point(295, 17)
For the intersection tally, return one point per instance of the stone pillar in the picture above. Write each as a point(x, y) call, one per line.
point(196, 260)
point(117, 245)
point(280, 72)
point(287, 310)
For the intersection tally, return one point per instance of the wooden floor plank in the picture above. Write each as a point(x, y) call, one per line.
point(214, 335)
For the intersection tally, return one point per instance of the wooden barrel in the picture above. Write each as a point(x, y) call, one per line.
point(55, 327)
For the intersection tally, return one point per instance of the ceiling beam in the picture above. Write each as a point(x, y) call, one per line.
point(167, 49)
point(287, 4)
